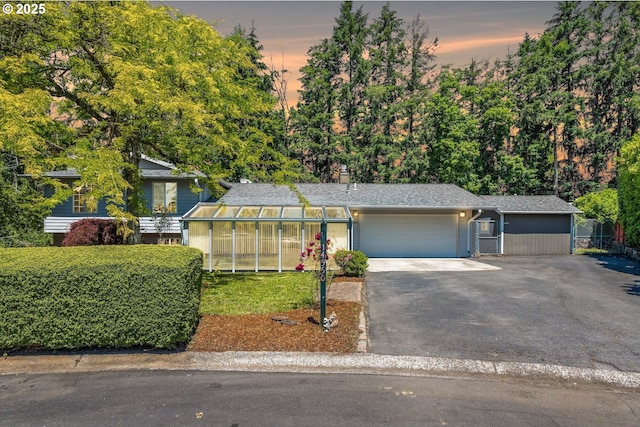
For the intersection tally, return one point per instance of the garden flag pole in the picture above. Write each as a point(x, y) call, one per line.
point(323, 276)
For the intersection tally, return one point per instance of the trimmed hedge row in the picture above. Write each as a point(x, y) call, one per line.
point(98, 296)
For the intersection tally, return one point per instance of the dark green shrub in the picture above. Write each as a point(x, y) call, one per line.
point(99, 296)
point(21, 212)
point(352, 263)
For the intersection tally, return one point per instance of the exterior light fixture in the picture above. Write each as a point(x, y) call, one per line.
point(355, 214)
point(463, 214)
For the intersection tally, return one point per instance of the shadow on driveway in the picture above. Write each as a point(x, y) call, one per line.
point(633, 289)
point(621, 265)
point(616, 263)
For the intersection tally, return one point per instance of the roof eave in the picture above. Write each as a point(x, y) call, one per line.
point(538, 212)
point(398, 207)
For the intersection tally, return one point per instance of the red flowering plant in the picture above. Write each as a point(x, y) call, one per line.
point(310, 260)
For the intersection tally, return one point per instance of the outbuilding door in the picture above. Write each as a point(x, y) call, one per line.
point(408, 235)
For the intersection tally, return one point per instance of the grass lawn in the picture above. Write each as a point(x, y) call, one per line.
point(591, 251)
point(255, 293)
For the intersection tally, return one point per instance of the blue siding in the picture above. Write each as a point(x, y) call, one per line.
point(186, 198)
point(65, 209)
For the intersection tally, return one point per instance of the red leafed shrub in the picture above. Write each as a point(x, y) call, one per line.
point(91, 232)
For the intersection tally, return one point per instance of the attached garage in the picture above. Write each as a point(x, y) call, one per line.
point(408, 235)
point(266, 227)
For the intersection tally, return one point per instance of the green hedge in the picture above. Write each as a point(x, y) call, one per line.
point(100, 296)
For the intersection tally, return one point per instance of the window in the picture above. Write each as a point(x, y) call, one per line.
point(485, 228)
point(165, 197)
point(80, 200)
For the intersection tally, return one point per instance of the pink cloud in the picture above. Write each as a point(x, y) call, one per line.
point(462, 45)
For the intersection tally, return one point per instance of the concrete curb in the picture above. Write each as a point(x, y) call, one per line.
point(359, 363)
point(363, 339)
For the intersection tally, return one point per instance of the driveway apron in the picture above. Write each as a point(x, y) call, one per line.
point(580, 311)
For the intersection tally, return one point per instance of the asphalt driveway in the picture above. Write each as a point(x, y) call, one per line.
point(580, 311)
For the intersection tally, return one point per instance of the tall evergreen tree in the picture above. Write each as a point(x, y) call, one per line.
point(449, 135)
point(529, 84)
point(548, 85)
point(266, 155)
point(377, 77)
point(350, 35)
point(417, 81)
point(612, 73)
point(577, 94)
point(566, 105)
point(381, 137)
point(487, 100)
point(316, 141)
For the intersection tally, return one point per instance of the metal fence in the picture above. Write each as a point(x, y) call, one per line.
point(485, 239)
point(588, 233)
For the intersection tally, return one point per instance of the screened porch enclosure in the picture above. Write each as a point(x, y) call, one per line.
point(261, 238)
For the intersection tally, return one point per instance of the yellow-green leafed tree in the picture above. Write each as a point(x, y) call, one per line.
point(600, 205)
point(95, 85)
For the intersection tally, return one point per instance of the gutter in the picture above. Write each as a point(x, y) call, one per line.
point(473, 218)
point(537, 212)
point(364, 208)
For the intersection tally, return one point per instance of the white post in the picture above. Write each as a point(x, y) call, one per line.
point(279, 247)
point(501, 234)
point(257, 248)
point(233, 247)
point(210, 247)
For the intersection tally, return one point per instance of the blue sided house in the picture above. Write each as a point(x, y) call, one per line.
point(258, 227)
point(164, 191)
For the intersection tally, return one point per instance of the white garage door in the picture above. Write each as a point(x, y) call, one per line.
point(406, 236)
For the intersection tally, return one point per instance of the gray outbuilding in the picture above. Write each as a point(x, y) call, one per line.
point(525, 225)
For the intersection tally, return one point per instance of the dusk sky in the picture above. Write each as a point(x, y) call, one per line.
point(465, 29)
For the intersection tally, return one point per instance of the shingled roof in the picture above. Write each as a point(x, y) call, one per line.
point(259, 194)
point(356, 195)
point(149, 168)
point(530, 204)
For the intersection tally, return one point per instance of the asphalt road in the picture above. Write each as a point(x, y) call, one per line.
point(576, 311)
point(192, 398)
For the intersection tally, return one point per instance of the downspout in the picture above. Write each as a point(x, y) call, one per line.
point(197, 184)
point(185, 232)
point(473, 218)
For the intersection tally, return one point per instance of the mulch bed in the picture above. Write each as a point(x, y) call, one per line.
point(296, 330)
